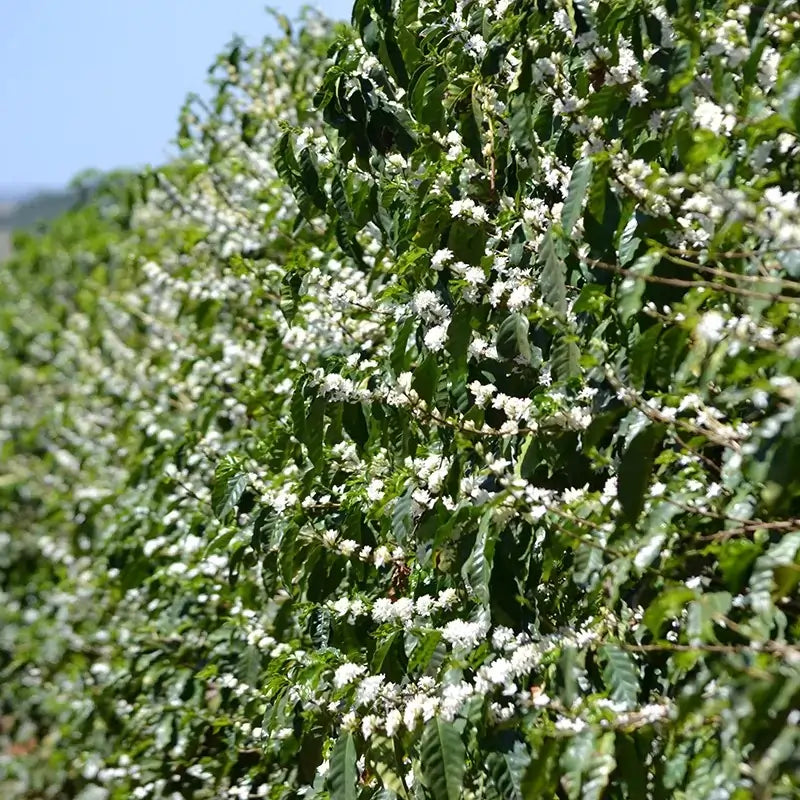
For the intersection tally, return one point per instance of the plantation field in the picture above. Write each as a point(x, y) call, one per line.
point(428, 429)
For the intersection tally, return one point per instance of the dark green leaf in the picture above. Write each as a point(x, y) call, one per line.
point(401, 515)
point(541, 776)
point(512, 338)
point(342, 773)
point(315, 430)
point(554, 274)
point(578, 182)
point(355, 423)
point(636, 468)
point(443, 759)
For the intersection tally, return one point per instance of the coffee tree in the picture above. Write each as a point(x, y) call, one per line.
point(428, 428)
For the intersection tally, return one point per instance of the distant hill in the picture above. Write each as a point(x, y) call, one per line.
point(24, 212)
point(21, 211)
point(36, 208)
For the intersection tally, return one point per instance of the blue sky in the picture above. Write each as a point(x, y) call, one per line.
point(99, 83)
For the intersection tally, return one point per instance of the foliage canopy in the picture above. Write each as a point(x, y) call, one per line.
point(428, 429)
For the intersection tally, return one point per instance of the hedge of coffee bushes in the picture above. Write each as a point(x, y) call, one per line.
point(428, 428)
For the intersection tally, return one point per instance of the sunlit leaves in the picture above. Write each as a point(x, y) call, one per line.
point(229, 485)
point(667, 606)
point(782, 553)
point(384, 759)
point(601, 764)
point(576, 759)
point(621, 675)
point(632, 286)
point(477, 569)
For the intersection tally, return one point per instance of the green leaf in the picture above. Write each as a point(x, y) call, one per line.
point(319, 627)
point(642, 351)
point(384, 647)
point(564, 358)
point(593, 299)
point(340, 201)
point(230, 481)
point(564, 354)
point(426, 96)
point(635, 470)
point(628, 241)
point(630, 764)
point(220, 542)
point(507, 768)
point(541, 776)
point(598, 188)
point(426, 378)
point(423, 652)
point(667, 606)
point(603, 102)
point(398, 358)
point(704, 614)
point(309, 175)
point(782, 553)
point(459, 333)
point(735, 560)
point(386, 763)
point(584, 8)
point(554, 274)
point(401, 515)
point(578, 182)
point(285, 162)
point(290, 295)
point(520, 122)
point(467, 241)
point(477, 569)
point(620, 675)
point(297, 408)
point(315, 431)
point(631, 288)
point(250, 665)
point(512, 338)
point(342, 773)
point(601, 765)
point(575, 760)
point(443, 759)
point(264, 528)
point(355, 423)
point(588, 563)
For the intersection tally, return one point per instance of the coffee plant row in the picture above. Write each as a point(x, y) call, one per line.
point(428, 429)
